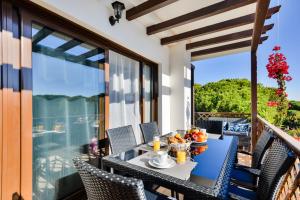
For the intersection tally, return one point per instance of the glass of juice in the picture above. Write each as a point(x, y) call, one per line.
point(156, 143)
point(181, 153)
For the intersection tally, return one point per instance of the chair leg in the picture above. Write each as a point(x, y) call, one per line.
point(177, 195)
point(172, 193)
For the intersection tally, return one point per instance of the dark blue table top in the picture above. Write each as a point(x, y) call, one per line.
point(209, 162)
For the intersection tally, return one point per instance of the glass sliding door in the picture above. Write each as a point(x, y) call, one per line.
point(68, 109)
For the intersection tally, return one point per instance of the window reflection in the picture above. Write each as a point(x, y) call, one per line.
point(68, 109)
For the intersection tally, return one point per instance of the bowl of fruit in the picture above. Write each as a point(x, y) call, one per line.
point(196, 135)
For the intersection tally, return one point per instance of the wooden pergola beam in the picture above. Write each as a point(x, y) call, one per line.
point(260, 17)
point(233, 23)
point(226, 38)
point(202, 13)
point(228, 47)
point(146, 7)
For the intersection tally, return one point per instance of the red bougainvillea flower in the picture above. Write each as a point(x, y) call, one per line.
point(279, 91)
point(287, 78)
point(276, 48)
point(277, 66)
point(272, 104)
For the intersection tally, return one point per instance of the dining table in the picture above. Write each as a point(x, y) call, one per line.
point(205, 175)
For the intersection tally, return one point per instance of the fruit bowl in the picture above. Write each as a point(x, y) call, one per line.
point(196, 136)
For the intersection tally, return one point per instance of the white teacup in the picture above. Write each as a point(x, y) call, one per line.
point(162, 157)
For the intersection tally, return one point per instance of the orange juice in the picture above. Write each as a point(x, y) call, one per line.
point(156, 143)
point(181, 156)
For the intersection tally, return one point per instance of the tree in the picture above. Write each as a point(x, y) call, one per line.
point(233, 95)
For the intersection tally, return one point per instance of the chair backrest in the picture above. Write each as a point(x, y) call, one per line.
point(263, 143)
point(277, 163)
point(149, 130)
point(101, 185)
point(211, 126)
point(121, 139)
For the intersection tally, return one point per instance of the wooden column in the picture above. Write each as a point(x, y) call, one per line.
point(192, 94)
point(254, 97)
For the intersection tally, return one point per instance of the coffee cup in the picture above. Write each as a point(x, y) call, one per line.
point(162, 157)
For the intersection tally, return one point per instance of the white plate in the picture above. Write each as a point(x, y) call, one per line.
point(162, 144)
point(169, 164)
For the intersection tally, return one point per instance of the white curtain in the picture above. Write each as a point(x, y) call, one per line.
point(124, 93)
point(147, 93)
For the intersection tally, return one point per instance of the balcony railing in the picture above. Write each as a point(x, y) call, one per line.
point(290, 188)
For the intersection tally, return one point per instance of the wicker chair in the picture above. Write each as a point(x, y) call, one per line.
point(211, 126)
point(101, 185)
point(278, 161)
point(121, 139)
point(149, 130)
point(243, 173)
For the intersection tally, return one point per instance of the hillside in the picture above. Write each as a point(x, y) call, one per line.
point(233, 95)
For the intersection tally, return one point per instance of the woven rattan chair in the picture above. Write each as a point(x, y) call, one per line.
point(149, 130)
point(243, 173)
point(211, 126)
point(277, 162)
point(121, 139)
point(101, 185)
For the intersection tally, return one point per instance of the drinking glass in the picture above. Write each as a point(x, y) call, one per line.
point(156, 143)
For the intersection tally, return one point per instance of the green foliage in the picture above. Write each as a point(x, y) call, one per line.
point(233, 95)
point(295, 105)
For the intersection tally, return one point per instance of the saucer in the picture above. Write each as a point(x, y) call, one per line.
point(170, 163)
point(162, 144)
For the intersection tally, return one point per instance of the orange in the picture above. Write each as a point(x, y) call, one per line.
point(201, 138)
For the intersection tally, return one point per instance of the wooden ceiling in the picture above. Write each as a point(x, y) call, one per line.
point(226, 34)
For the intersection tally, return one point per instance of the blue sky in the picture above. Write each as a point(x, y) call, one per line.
point(285, 33)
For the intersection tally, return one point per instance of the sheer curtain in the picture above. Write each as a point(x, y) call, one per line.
point(124, 93)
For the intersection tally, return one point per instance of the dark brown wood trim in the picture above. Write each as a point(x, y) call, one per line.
point(57, 22)
point(155, 93)
point(142, 96)
point(226, 38)
point(146, 7)
point(253, 98)
point(233, 23)
point(202, 13)
point(260, 16)
point(225, 47)
point(192, 94)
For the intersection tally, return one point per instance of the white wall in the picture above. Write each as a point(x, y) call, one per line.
point(94, 14)
point(180, 78)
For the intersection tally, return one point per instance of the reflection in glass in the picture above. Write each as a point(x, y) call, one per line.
point(68, 110)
